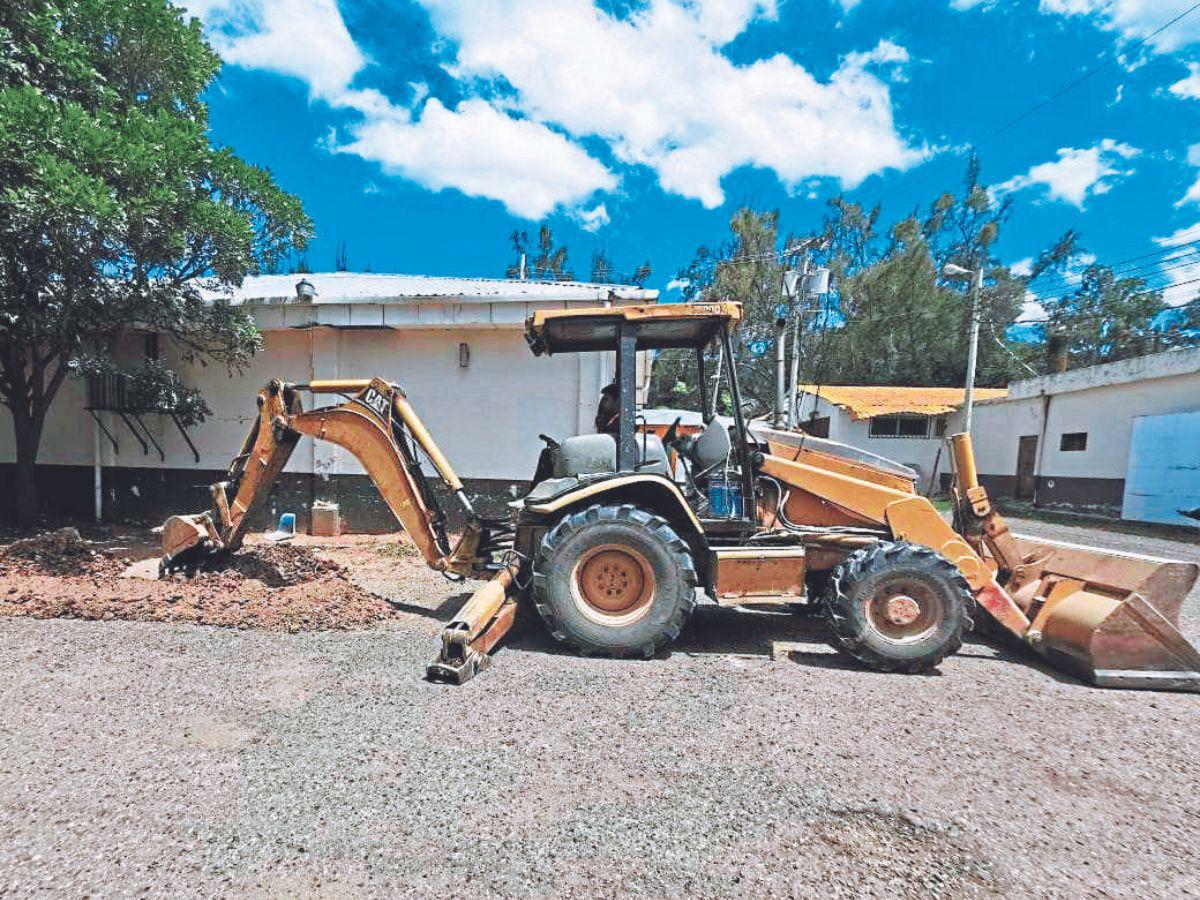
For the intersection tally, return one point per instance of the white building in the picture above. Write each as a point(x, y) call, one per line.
point(455, 344)
point(1120, 439)
point(904, 424)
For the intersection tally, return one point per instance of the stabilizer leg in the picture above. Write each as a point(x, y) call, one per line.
point(479, 626)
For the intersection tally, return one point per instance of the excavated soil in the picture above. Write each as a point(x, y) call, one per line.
point(274, 586)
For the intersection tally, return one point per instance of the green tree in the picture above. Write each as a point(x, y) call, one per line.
point(549, 263)
point(746, 269)
point(114, 206)
point(1109, 318)
point(603, 271)
point(891, 317)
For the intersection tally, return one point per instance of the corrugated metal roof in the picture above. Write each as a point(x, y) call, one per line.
point(358, 287)
point(868, 401)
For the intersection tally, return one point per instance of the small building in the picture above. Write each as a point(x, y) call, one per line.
point(903, 424)
point(1120, 439)
point(456, 345)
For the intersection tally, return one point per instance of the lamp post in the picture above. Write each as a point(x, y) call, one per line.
point(952, 271)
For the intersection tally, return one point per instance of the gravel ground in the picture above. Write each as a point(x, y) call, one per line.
point(183, 759)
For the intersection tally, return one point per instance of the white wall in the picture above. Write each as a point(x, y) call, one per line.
point(486, 417)
point(1105, 412)
point(66, 439)
point(996, 427)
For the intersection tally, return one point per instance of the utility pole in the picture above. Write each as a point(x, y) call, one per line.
point(976, 274)
point(780, 364)
point(783, 310)
point(973, 350)
point(712, 413)
point(797, 321)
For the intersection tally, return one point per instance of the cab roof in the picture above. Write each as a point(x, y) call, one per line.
point(659, 327)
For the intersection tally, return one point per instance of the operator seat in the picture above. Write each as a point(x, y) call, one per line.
point(593, 454)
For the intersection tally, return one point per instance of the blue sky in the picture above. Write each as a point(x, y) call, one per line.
point(422, 132)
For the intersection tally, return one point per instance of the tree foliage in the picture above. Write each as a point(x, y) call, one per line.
point(114, 207)
point(894, 318)
point(546, 261)
point(1108, 318)
point(604, 271)
point(550, 261)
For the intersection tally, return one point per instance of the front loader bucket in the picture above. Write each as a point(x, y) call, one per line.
point(1110, 618)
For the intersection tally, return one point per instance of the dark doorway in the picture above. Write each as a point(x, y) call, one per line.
point(1026, 466)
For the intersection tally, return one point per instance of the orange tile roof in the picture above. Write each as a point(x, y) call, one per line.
point(868, 401)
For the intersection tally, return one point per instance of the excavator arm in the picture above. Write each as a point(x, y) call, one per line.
point(379, 427)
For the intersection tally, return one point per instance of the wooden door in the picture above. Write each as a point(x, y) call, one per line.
point(1026, 466)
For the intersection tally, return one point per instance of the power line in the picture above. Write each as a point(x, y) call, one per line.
point(1066, 282)
point(1080, 317)
point(1145, 289)
point(1146, 260)
point(1037, 107)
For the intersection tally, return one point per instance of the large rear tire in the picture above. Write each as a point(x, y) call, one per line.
point(616, 580)
point(897, 607)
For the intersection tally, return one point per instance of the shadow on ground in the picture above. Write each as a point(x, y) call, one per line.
point(741, 631)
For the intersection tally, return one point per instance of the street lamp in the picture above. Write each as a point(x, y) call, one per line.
point(950, 270)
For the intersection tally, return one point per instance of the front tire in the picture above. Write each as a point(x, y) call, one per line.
point(616, 580)
point(897, 607)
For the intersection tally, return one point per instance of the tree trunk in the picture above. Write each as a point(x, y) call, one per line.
point(28, 433)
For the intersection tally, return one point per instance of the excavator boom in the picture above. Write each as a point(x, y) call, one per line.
point(379, 427)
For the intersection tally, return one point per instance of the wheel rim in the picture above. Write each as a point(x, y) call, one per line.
point(613, 584)
point(903, 610)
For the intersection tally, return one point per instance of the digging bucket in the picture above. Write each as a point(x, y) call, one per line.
point(1110, 618)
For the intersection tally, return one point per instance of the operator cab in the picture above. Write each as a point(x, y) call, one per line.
point(712, 468)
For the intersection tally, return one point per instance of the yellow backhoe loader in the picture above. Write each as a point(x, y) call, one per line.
point(621, 528)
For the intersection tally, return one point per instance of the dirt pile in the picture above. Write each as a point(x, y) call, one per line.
point(279, 565)
point(61, 552)
point(276, 586)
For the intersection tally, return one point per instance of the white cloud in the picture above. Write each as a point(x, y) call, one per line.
point(722, 20)
point(482, 152)
point(1022, 267)
point(883, 53)
point(1189, 87)
point(971, 4)
point(656, 88)
point(1077, 173)
point(1193, 193)
point(1065, 280)
point(847, 5)
point(592, 219)
point(1182, 266)
point(305, 39)
point(1134, 19)
point(475, 148)
point(678, 284)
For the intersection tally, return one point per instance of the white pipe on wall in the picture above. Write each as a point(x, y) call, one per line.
point(97, 472)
